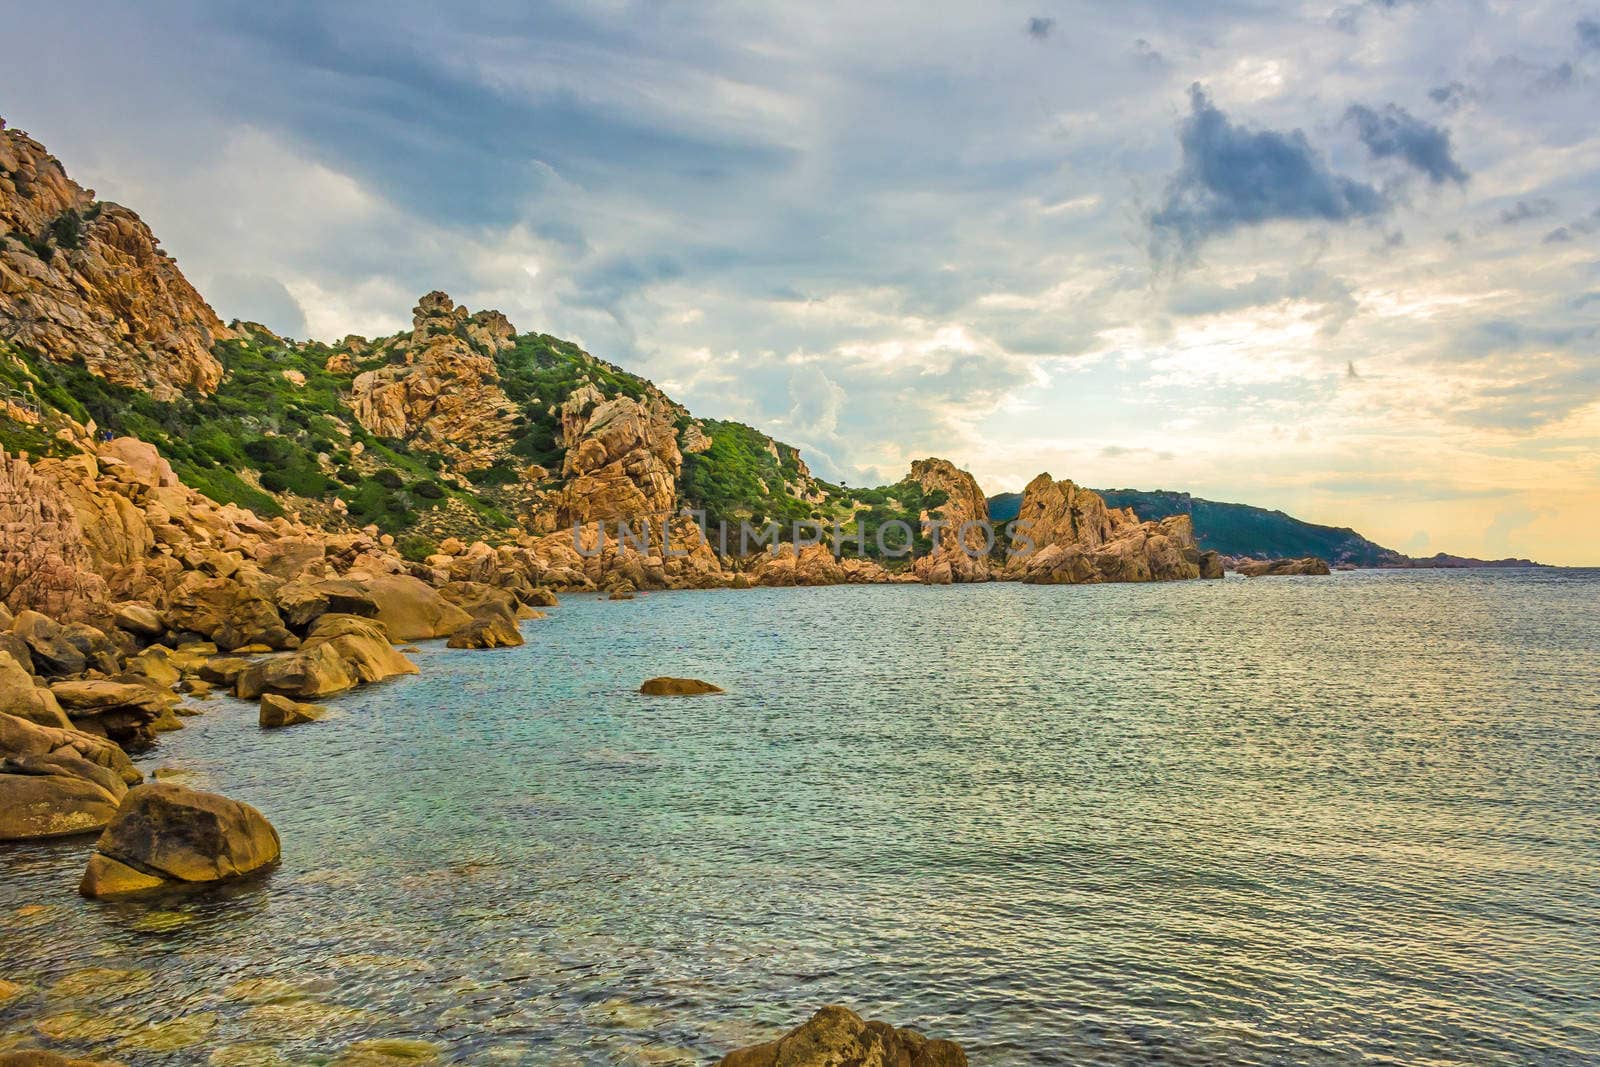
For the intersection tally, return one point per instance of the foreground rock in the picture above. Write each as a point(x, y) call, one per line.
point(1279, 568)
point(838, 1037)
point(56, 782)
point(279, 711)
point(677, 687)
point(166, 835)
point(341, 652)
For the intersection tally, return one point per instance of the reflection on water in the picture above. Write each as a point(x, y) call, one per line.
point(1338, 820)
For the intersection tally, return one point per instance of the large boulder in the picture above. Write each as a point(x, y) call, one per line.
point(491, 631)
point(18, 737)
point(677, 687)
point(1212, 565)
point(229, 612)
point(127, 713)
point(341, 652)
point(1066, 534)
point(53, 654)
point(57, 782)
point(139, 618)
point(279, 711)
point(411, 609)
point(838, 1037)
point(303, 601)
point(166, 835)
point(20, 697)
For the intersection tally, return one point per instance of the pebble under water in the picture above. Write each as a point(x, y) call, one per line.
point(1309, 820)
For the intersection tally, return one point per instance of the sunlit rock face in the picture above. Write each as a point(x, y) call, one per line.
point(84, 281)
point(1076, 538)
point(440, 389)
point(962, 554)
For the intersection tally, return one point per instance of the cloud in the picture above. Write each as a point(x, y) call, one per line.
point(1394, 133)
point(1039, 28)
point(257, 298)
point(1332, 298)
point(1588, 35)
point(1233, 176)
point(1452, 96)
point(1523, 210)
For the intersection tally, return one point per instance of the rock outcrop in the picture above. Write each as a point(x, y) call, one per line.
point(965, 537)
point(1279, 568)
point(622, 458)
point(83, 280)
point(166, 835)
point(1066, 534)
point(441, 388)
point(838, 1037)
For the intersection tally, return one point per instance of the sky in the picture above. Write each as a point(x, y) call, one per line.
point(1338, 258)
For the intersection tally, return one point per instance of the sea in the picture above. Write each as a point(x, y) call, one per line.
point(1326, 820)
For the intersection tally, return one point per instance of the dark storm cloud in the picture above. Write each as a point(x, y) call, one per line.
point(1233, 176)
point(1039, 28)
point(1588, 35)
point(1394, 133)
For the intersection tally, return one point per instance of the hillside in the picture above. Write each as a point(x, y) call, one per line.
point(1242, 530)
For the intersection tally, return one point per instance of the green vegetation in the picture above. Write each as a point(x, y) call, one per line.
point(294, 438)
point(538, 373)
point(740, 479)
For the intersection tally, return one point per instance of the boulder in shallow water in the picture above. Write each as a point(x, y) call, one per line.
point(677, 687)
point(1212, 565)
point(1282, 568)
point(838, 1037)
point(493, 631)
point(167, 835)
point(342, 651)
point(279, 711)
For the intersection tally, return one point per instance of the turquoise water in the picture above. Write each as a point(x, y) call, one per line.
point(1336, 820)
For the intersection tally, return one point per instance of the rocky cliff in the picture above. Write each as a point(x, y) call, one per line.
point(83, 280)
point(966, 538)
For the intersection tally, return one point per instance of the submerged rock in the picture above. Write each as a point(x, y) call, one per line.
point(40, 1058)
point(677, 687)
point(168, 835)
point(279, 711)
point(837, 1037)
